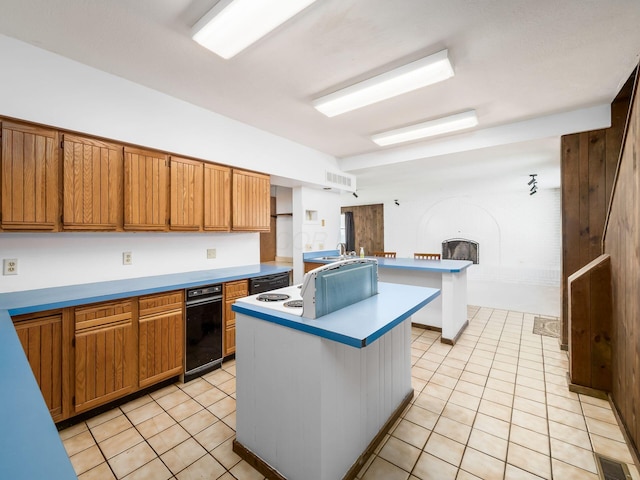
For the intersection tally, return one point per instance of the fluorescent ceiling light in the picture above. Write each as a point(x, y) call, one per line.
point(438, 126)
point(414, 75)
point(233, 25)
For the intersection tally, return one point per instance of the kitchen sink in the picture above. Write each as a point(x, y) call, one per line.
point(333, 258)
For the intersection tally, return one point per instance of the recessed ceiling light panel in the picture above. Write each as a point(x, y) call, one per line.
point(431, 128)
point(233, 25)
point(426, 71)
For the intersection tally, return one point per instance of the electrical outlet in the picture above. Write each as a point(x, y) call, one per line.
point(127, 258)
point(211, 253)
point(10, 266)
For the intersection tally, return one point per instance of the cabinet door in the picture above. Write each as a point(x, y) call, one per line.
point(217, 198)
point(229, 341)
point(146, 190)
point(186, 194)
point(250, 201)
point(308, 266)
point(41, 339)
point(105, 353)
point(232, 290)
point(160, 337)
point(30, 172)
point(236, 289)
point(92, 184)
point(229, 346)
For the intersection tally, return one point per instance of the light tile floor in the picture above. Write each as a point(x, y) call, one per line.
point(494, 406)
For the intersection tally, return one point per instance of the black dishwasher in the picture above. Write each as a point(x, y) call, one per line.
point(203, 349)
point(268, 282)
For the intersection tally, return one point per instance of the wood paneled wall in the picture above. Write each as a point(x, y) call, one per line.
point(622, 242)
point(369, 225)
point(588, 166)
point(590, 325)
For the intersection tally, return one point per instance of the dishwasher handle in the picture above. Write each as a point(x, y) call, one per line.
point(203, 301)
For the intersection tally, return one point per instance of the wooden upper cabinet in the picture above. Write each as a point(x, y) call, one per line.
point(217, 197)
point(30, 177)
point(251, 197)
point(186, 194)
point(146, 189)
point(92, 184)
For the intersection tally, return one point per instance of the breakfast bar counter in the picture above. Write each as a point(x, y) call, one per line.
point(448, 312)
point(315, 396)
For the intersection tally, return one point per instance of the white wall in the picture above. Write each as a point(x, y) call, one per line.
point(42, 87)
point(54, 259)
point(519, 236)
point(314, 235)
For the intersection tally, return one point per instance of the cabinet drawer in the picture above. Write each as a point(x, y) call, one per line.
point(160, 303)
point(102, 315)
point(236, 289)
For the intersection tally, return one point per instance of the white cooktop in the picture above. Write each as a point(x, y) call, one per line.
point(292, 291)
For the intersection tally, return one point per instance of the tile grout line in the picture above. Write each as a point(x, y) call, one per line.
point(145, 440)
point(546, 406)
point(476, 411)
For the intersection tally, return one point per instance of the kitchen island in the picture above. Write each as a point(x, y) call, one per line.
point(30, 446)
point(448, 312)
point(315, 396)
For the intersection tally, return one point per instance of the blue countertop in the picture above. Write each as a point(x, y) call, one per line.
point(30, 446)
point(448, 266)
point(357, 325)
point(29, 443)
point(30, 301)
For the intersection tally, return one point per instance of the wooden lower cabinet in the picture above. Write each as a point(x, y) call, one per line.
point(232, 291)
point(86, 356)
point(41, 336)
point(105, 353)
point(160, 337)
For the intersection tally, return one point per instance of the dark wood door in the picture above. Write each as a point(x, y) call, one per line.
point(368, 221)
point(268, 239)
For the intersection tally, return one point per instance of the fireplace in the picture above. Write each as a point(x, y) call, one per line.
point(460, 249)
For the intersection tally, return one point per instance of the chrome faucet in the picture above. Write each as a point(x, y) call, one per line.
point(342, 249)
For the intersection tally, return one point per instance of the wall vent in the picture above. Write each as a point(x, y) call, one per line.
point(610, 469)
point(338, 179)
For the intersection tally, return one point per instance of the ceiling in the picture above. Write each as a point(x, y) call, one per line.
point(514, 60)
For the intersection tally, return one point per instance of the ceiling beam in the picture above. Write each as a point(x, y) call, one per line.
point(591, 118)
